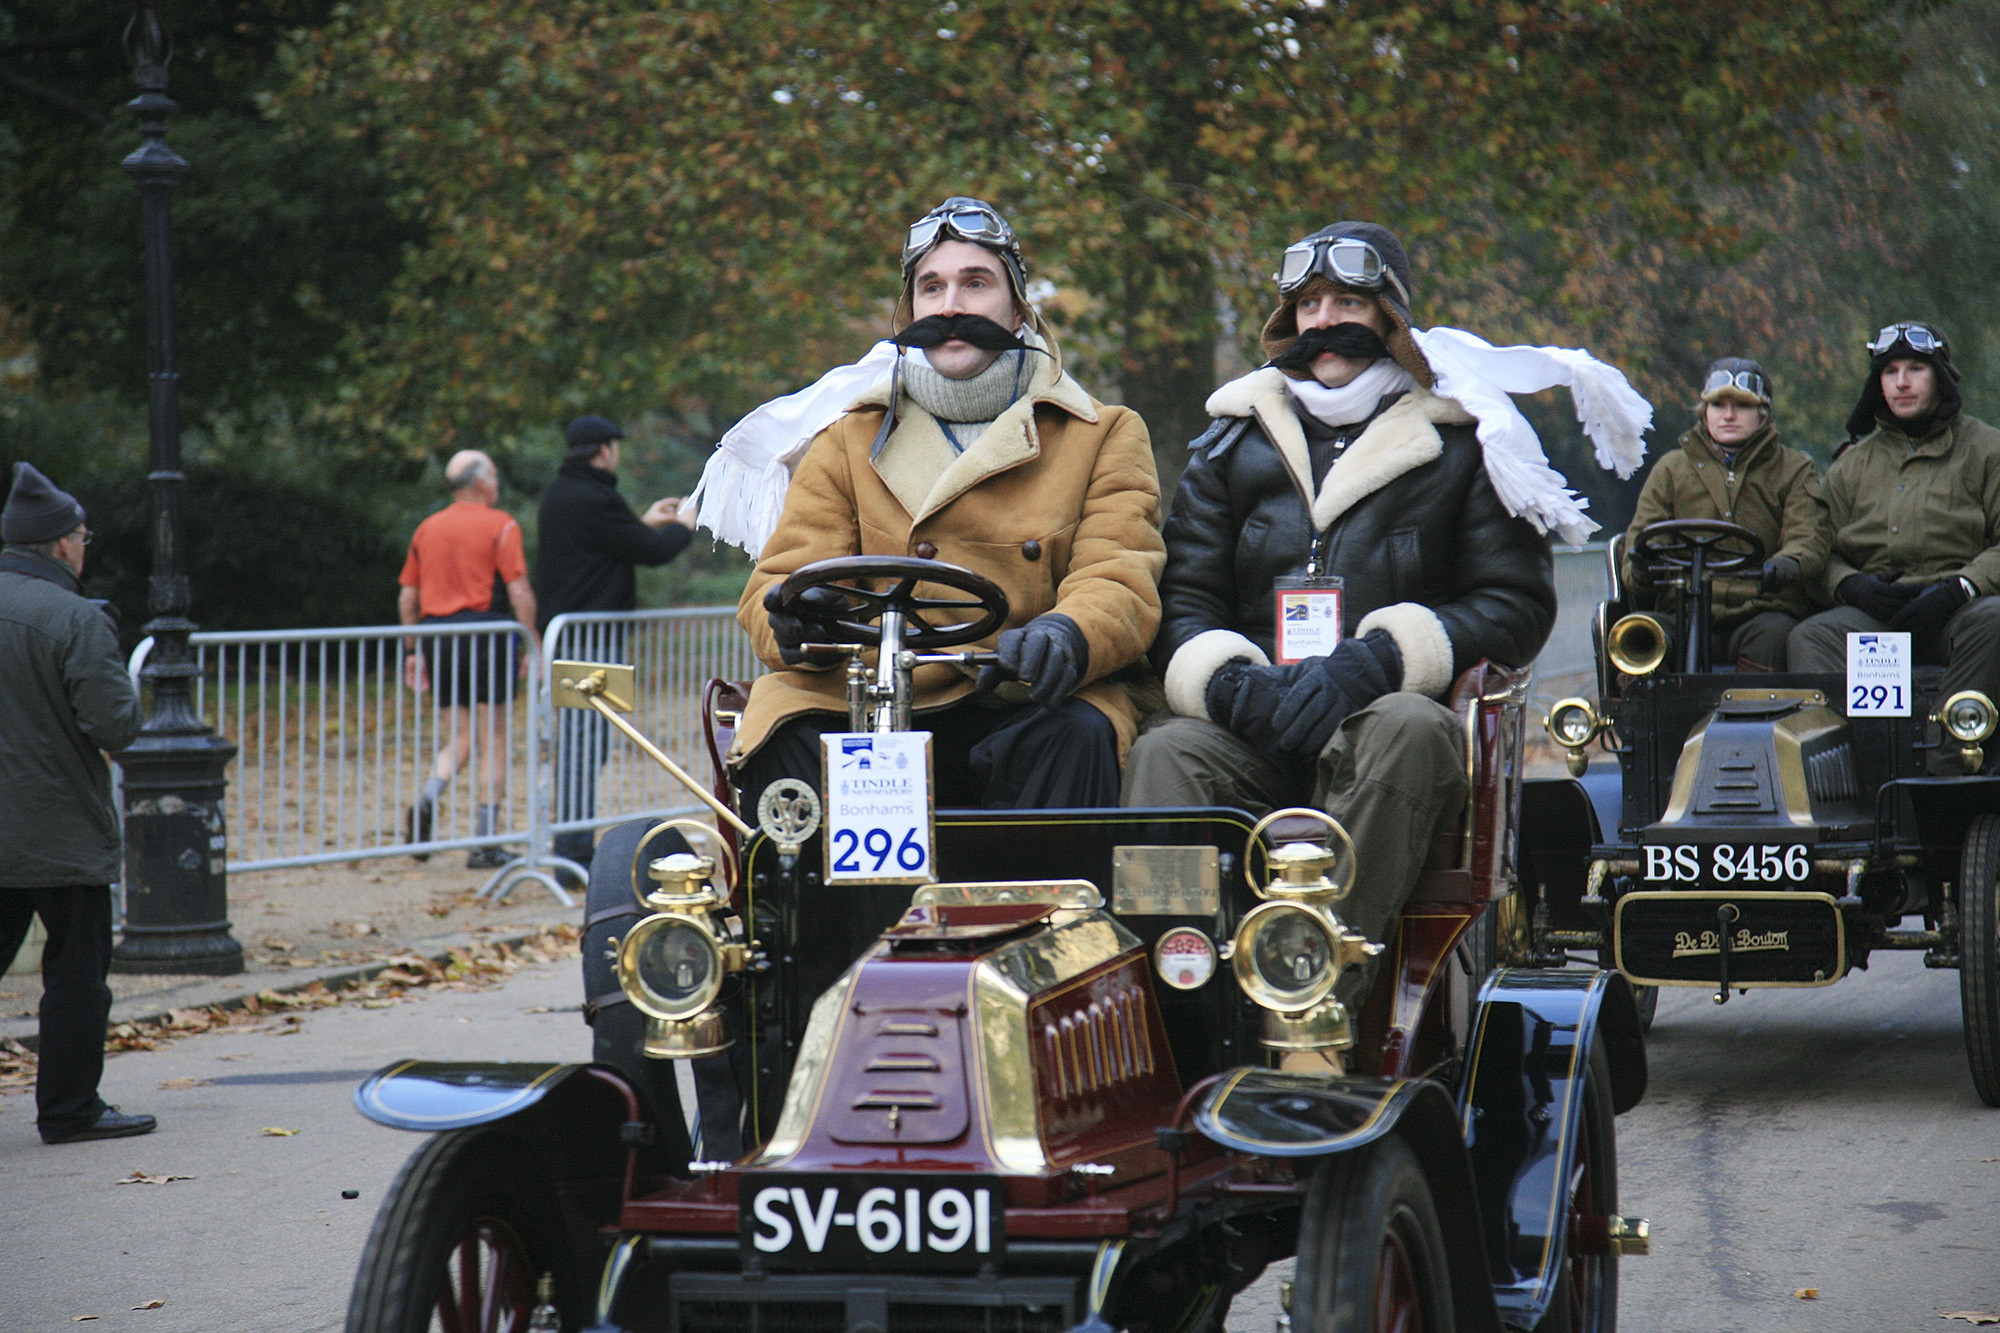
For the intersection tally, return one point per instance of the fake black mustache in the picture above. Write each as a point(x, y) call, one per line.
point(981, 332)
point(1356, 342)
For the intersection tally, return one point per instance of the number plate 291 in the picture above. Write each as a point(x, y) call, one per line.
point(793, 1221)
point(1726, 863)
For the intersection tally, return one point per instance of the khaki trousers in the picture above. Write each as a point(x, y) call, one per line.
point(1393, 775)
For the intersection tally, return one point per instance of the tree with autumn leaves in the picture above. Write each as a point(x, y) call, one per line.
point(629, 203)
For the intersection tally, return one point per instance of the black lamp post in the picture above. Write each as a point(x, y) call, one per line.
point(176, 892)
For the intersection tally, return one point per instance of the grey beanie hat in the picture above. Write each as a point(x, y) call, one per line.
point(37, 509)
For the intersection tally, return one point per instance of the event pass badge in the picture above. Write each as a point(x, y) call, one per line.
point(1878, 675)
point(1308, 616)
point(879, 821)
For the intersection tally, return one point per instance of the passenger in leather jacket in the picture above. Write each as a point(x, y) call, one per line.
point(1338, 460)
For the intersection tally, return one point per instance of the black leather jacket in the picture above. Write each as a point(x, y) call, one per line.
point(1422, 542)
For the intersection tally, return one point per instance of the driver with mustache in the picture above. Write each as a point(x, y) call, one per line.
point(979, 450)
point(1336, 460)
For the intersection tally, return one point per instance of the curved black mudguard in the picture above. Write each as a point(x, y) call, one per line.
point(430, 1095)
point(1276, 1114)
point(1521, 1104)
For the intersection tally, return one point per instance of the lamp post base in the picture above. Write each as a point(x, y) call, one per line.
point(176, 848)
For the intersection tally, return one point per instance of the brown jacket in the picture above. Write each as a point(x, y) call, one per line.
point(1773, 491)
point(1927, 508)
point(1057, 502)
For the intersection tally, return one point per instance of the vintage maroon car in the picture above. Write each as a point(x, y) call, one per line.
point(1091, 1074)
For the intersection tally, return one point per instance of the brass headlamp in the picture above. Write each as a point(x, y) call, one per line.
point(1290, 950)
point(1573, 724)
point(671, 965)
point(1968, 717)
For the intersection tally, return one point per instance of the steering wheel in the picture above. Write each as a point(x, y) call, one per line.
point(850, 576)
point(1722, 547)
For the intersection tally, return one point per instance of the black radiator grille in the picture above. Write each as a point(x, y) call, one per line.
point(763, 1317)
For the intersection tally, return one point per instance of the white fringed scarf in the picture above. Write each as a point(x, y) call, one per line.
point(742, 490)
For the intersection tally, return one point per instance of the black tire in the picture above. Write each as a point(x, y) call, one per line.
point(1979, 953)
point(467, 1194)
point(1370, 1247)
point(1586, 1295)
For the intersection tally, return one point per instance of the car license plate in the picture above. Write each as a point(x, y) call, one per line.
point(1726, 863)
point(854, 1220)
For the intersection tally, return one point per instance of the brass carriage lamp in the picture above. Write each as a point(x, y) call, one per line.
point(1573, 724)
point(1968, 717)
point(671, 965)
point(1290, 950)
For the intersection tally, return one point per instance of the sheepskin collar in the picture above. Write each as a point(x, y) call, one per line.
point(925, 474)
point(1403, 438)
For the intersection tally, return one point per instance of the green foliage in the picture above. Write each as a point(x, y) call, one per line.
point(275, 539)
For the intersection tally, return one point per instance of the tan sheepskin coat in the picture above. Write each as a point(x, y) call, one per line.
point(1057, 502)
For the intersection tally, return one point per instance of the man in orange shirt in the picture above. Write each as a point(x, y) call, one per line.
point(466, 564)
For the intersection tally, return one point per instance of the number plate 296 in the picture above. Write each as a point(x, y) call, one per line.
point(1726, 863)
point(793, 1221)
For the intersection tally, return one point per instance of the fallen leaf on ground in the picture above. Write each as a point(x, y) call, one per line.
point(82, 1318)
point(141, 1178)
point(1807, 1293)
point(1973, 1316)
point(153, 1304)
point(181, 1084)
point(378, 1004)
point(273, 1131)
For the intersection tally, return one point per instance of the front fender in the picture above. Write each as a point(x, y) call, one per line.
point(1275, 1114)
point(1520, 1107)
point(431, 1095)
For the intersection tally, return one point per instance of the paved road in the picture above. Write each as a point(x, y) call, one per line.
point(1822, 1139)
point(260, 1241)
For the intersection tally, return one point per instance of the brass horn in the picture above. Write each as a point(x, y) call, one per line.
point(1638, 643)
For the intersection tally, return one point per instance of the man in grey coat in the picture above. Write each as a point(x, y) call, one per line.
point(64, 700)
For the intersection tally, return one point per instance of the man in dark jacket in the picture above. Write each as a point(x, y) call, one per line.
point(589, 539)
point(1336, 461)
point(1915, 502)
point(64, 699)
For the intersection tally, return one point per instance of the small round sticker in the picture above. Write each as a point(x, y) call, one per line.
point(1185, 958)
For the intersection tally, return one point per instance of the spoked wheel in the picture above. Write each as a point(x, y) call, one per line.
point(1979, 953)
point(461, 1243)
point(1586, 1293)
point(1371, 1253)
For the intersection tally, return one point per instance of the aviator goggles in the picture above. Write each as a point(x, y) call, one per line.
point(1347, 260)
point(968, 222)
point(1918, 337)
point(1749, 381)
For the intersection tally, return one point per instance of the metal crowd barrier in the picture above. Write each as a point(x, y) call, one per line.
point(593, 777)
point(334, 747)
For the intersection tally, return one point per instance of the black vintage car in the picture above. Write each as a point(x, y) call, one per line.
point(1764, 837)
point(1088, 1074)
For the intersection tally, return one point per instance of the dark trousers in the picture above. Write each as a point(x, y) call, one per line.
point(984, 753)
point(582, 744)
point(76, 1002)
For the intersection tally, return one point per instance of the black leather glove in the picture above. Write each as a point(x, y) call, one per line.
point(802, 622)
point(1883, 599)
point(1243, 696)
point(1049, 651)
point(1780, 572)
point(1329, 689)
point(1926, 613)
